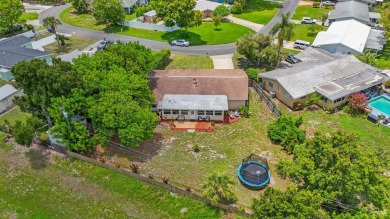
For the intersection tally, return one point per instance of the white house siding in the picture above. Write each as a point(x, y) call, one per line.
point(235, 104)
point(7, 102)
point(191, 115)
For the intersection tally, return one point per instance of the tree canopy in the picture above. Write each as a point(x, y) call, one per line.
point(24, 133)
point(109, 12)
point(10, 12)
point(80, 5)
point(219, 188)
point(221, 10)
point(337, 168)
point(180, 11)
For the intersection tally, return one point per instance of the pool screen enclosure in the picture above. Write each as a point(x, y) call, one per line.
point(254, 172)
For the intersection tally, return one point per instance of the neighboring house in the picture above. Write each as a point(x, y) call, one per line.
point(7, 94)
point(13, 50)
point(333, 76)
point(198, 92)
point(129, 4)
point(350, 37)
point(149, 16)
point(353, 10)
point(367, 2)
point(207, 7)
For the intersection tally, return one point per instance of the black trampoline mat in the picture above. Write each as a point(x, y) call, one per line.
point(254, 173)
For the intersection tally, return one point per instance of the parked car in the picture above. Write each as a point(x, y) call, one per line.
point(300, 44)
point(291, 58)
point(180, 43)
point(307, 20)
point(101, 45)
point(329, 3)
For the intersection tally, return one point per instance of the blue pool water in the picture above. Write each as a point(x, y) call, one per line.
point(381, 103)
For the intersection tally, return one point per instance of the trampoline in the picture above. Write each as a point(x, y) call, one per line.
point(253, 174)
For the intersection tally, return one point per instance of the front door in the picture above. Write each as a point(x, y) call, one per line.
point(192, 115)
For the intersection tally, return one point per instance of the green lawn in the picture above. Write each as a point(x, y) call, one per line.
point(293, 51)
point(383, 58)
point(74, 42)
point(190, 62)
point(34, 184)
point(13, 115)
point(130, 17)
point(258, 11)
point(302, 32)
point(29, 16)
point(309, 11)
point(202, 35)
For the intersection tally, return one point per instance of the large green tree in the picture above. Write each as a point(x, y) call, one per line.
point(337, 168)
point(10, 12)
point(52, 23)
point(221, 10)
point(109, 12)
point(259, 50)
point(80, 5)
point(219, 188)
point(41, 82)
point(25, 132)
point(284, 31)
point(180, 11)
point(291, 204)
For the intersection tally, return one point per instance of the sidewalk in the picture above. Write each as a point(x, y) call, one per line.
point(251, 25)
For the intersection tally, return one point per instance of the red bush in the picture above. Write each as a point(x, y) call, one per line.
point(357, 101)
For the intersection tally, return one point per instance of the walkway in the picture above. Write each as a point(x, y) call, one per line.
point(223, 61)
point(245, 23)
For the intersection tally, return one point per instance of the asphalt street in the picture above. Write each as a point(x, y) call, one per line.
point(288, 6)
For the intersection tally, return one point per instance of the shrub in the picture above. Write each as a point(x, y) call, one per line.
point(134, 167)
point(221, 10)
point(286, 132)
point(162, 59)
point(253, 74)
point(196, 148)
point(236, 8)
point(103, 159)
point(298, 105)
point(387, 84)
point(219, 188)
point(165, 179)
point(244, 111)
point(357, 102)
point(151, 176)
point(316, 4)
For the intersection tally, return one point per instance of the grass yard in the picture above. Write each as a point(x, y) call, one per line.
point(293, 51)
point(221, 151)
point(74, 42)
point(38, 184)
point(27, 16)
point(190, 62)
point(13, 115)
point(202, 35)
point(129, 17)
point(309, 11)
point(302, 32)
point(383, 58)
point(259, 11)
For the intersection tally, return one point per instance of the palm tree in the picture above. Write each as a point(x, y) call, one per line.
point(369, 57)
point(284, 31)
point(219, 188)
point(52, 22)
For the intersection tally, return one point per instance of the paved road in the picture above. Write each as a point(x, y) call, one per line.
point(289, 5)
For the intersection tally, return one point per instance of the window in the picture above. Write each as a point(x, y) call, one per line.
point(201, 112)
point(338, 100)
point(218, 113)
point(184, 112)
point(270, 84)
point(287, 95)
point(154, 104)
point(167, 112)
point(175, 112)
point(209, 112)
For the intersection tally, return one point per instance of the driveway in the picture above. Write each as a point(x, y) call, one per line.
point(245, 23)
point(223, 61)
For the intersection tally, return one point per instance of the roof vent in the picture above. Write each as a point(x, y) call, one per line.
point(194, 81)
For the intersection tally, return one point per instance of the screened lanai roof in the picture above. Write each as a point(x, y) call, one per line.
point(193, 102)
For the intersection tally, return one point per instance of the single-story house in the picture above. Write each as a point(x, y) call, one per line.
point(333, 76)
point(13, 50)
point(207, 7)
point(367, 2)
point(194, 93)
point(350, 37)
point(129, 4)
point(7, 94)
point(149, 16)
point(353, 10)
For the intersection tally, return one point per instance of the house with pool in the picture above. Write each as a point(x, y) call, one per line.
point(333, 76)
point(198, 94)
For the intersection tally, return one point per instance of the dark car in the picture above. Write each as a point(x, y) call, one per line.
point(291, 58)
point(101, 45)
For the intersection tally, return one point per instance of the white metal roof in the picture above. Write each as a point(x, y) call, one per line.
point(349, 33)
point(6, 91)
point(193, 102)
point(204, 5)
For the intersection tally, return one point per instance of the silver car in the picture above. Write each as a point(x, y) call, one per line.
point(307, 20)
point(180, 42)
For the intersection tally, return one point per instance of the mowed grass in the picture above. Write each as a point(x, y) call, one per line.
point(129, 17)
point(13, 115)
point(29, 16)
point(221, 151)
point(293, 51)
point(206, 34)
point(74, 42)
point(302, 32)
point(309, 11)
point(190, 62)
point(258, 11)
point(35, 184)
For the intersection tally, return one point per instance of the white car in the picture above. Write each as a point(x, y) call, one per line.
point(328, 3)
point(307, 20)
point(180, 43)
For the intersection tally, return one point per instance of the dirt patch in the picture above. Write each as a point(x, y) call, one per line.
point(306, 3)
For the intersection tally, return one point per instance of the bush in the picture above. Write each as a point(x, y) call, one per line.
point(387, 84)
point(221, 10)
point(357, 103)
point(196, 148)
point(298, 105)
point(316, 4)
point(286, 132)
point(253, 74)
point(162, 59)
point(244, 111)
point(236, 8)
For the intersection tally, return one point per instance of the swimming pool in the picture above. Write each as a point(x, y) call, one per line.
point(381, 104)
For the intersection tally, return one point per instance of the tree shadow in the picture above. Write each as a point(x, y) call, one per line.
point(39, 158)
point(195, 39)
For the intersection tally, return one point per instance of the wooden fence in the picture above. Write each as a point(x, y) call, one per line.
point(171, 188)
point(266, 98)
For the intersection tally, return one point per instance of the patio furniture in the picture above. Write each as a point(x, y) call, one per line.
point(373, 118)
point(207, 118)
point(232, 116)
point(236, 113)
point(180, 118)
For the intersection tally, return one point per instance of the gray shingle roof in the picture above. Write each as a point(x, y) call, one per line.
point(6, 91)
point(11, 51)
point(317, 68)
point(350, 9)
point(128, 3)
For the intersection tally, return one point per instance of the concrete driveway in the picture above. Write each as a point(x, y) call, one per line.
point(223, 61)
point(245, 23)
